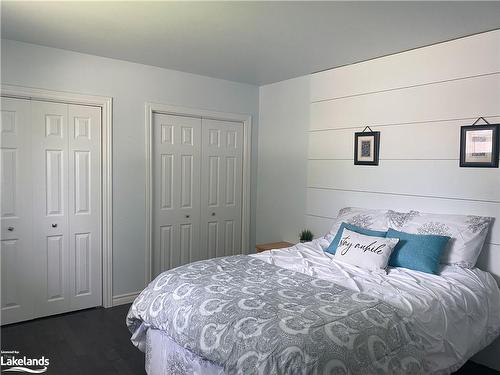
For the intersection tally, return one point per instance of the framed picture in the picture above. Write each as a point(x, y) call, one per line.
point(479, 146)
point(366, 148)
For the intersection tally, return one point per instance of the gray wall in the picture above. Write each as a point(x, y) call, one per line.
point(130, 85)
point(282, 172)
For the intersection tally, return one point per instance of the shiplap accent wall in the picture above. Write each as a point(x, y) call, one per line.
point(417, 100)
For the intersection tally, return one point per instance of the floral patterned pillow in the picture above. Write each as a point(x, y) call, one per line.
point(467, 233)
point(374, 219)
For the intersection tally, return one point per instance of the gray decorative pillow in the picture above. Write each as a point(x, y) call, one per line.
point(368, 252)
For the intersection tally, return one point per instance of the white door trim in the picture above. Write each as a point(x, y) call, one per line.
point(106, 104)
point(204, 114)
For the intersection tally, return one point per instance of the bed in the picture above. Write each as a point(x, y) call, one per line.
point(299, 310)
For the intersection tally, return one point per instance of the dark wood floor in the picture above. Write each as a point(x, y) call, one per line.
point(95, 342)
point(87, 342)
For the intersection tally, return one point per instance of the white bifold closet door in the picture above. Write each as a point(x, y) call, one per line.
point(197, 189)
point(16, 212)
point(176, 191)
point(221, 176)
point(57, 185)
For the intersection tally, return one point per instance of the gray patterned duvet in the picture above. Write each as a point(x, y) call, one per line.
point(251, 317)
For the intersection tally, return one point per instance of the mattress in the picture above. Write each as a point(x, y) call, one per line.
point(456, 311)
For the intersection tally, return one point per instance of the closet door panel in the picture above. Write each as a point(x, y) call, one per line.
point(221, 174)
point(51, 208)
point(84, 211)
point(51, 204)
point(176, 191)
point(18, 283)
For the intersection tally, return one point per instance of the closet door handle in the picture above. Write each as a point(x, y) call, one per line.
point(213, 213)
point(187, 216)
point(10, 229)
point(54, 225)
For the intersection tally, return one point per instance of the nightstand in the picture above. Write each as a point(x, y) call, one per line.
point(273, 245)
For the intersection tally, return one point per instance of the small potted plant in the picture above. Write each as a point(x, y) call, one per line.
point(305, 236)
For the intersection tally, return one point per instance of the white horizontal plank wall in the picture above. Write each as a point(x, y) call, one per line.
point(451, 100)
point(399, 142)
point(466, 57)
point(417, 100)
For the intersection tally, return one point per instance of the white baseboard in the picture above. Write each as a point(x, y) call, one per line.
point(122, 299)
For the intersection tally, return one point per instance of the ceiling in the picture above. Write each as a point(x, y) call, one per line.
point(252, 42)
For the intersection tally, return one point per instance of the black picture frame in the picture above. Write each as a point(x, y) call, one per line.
point(376, 147)
point(493, 162)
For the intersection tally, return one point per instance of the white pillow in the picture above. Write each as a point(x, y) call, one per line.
point(374, 219)
point(369, 252)
point(467, 233)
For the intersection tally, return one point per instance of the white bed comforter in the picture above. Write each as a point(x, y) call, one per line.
point(459, 310)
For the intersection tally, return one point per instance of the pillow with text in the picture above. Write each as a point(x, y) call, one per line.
point(368, 252)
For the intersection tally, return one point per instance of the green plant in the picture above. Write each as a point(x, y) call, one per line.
point(306, 235)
